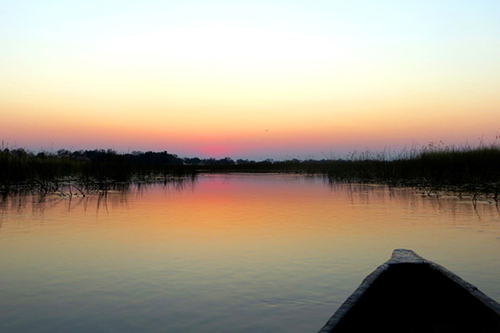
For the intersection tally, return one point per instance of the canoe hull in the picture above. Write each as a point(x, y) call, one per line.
point(411, 294)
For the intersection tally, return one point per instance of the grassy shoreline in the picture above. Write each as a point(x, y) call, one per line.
point(465, 170)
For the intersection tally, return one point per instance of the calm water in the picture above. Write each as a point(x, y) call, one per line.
point(239, 253)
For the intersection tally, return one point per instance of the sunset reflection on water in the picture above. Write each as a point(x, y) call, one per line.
point(223, 252)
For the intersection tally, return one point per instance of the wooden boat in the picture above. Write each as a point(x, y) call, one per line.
point(411, 294)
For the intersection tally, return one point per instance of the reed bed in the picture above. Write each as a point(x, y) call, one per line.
point(465, 171)
point(82, 171)
point(472, 171)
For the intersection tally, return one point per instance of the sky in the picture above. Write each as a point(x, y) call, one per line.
point(249, 79)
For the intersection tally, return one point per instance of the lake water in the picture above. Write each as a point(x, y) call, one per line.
point(224, 253)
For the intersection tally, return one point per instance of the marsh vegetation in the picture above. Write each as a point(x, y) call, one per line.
point(83, 171)
point(434, 170)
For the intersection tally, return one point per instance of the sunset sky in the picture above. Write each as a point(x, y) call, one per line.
point(249, 79)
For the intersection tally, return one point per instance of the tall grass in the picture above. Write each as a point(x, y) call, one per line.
point(464, 168)
point(460, 170)
point(97, 169)
point(445, 166)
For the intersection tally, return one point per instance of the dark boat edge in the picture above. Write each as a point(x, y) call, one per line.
point(404, 256)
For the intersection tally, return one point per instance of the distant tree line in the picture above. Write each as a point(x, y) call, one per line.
point(20, 167)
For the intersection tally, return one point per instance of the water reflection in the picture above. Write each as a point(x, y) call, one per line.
point(277, 252)
point(174, 184)
point(362, 195)
point(118, 194)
